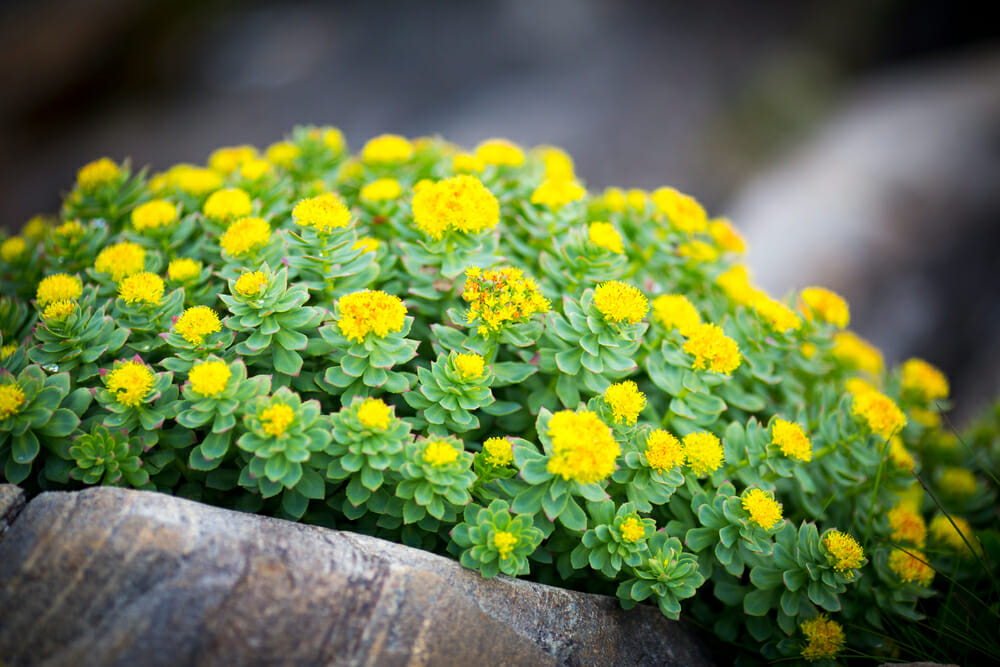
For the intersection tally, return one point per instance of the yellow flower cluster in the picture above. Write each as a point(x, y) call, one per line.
point(370, 312)
point(381, 190)
point(58, 287)
point(620, 302)
point(604, 235)
point(461, 203)
point(58, 311)
point(879, 411)
point(703, 453)
point(197, 322)
point(824, 305)
point(844, 551)
point(500, 297)
point(275, 419)
point(674, 311)
point(583, 449)
point(373, 413)
point(763, 509)
point(500, 152)
point(791, 440)
point(387, 149)
point(153, 215)
point(143, 288)
point(683, 211)
point(713, 350)
point(899, 455)
point(245, 235)
point(230, 158)
point(498, 452)
point(183, 269)
point(824, 638)
point(12, 399)
point(625, 401)
point(855, 352)
point(958, 482)
point(97, 174)
point(250, 284)
point(632, 529)
point(439, 453)
point(121, 260)
point(951, 532)
point(130, 381)
point(209, 378)
point(906, 525)
point(189, 179)
point(227, 205)
point(557, 193)
point(504, 542)
point(469, 366)
point(698, 251)
point(12, 249)
point(663, 451)
point(911, 566)
point(924, 381)
point(726, 237)
point(283, 154)
point(323, 213)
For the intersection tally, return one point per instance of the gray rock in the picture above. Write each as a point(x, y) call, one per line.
point(117, 577)
point(11, 503)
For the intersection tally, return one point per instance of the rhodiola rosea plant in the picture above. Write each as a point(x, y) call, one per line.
point(468, 352)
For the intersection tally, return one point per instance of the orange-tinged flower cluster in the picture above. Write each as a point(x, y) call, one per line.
point(632, 529)
point(620, 302)
point(777, 315)
point(500, 297)
point(583, 449)
point(457, 204)
point(906, 525)
point(663, 451)
point(713, 350)
point(824, 305)
point(824, 638)
point(911, 566)
point(323, 213)
point(953, 532)
point(370, 312)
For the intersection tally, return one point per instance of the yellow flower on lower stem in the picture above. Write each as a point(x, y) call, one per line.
point(763, 509)
point(460, 203)
point(824, 305)
point(366, 244)
point(713, 350)
point(845, 554)
point(703, 453)
point(879, 411)
point(824, 638)
point(583, 449)
point(370, 312)
point(498, 452)
point(439, 453)
point(95, 175)
point(58, 287)
point(726, 237)
point(245, 235)
point(130, 381)
point(59, 310)
point(373, 413)
point(275, 419)
point(924, 381)
point(625, 401)
point(698, 251)
point(620, 302)
point(663, 451)
point(209, 378)
point(906, 525)
point(604, 235)
point(911, 566)
point(674, 311)
point(141, 288)
point(227, 204)
point(250, 283)
point(283, 153)
point(791, 440)
point(632, 529)
point(899, 455)
point(121, 260)
point(324, 213)
point(614, 200)
point(504, 542)
point(735, 282)
point(229, 158)
point(254, 170)
point(12, 399)
point(683, 211)
point(855, 352)
point(381, 190)
point(500, 152)
point(777, 315)
point(556, 194)
point(197, 322)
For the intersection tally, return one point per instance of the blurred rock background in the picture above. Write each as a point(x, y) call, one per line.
point(856, 143)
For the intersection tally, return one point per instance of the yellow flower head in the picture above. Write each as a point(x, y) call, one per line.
point(439, 453)
point(620, 302)
point(229, 158)
point(907, 525)
point(703, 453)
point(120, 260)
point(713, 350)
point(7, 350)
point(958, 482)
point(556, 194)
point(698, 251)
point(228, 204)
point(381, 190)
point(674, 311)
point(254, 170)
point(197, 322)
point(209, 378)
point(466, 163)
point(387, 149)
point(614, 200)
point(855, 352)
point(824, 305)
point(12, 249)
point(791, 440)
point(924, 381)
point(130, 382)
point(683, 211)
point(632, 529)
point(57, 311)
point(142, 288)
point(558, 164)
point(283, 153)
point(154, 214)
point(583, 448)
point(950, 534)
point(366, 244)
point(333, 139)
point(469, 366)
point(844, 552)
point(625, 401)
point(500, 152)
point(370, 312)
point(250, 284)
point(461, 203)
point(604, 235)
point(183, 269)
point(498, 452)
point(911, 565)
point(191, 180)
point(925, 417)
point(824, 638)
point(637, 199)
point(726, 237)
point(36, 228)
point(500, 297)
point(323, 213)
point(245, 235)
point(97, 174)
point(763, 509)
point(776, 314)
point(880, 412)
point(735, 282)
point(374, 414)
point(663, 451)
point(504, 542)
point(275, 419)
point(58, 287)
point(900, 455)
point(69, 229)
point(12, 399)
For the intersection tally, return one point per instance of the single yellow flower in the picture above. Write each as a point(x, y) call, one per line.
point(583, 449)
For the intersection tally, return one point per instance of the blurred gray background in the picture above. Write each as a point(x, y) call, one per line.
point(855, 143)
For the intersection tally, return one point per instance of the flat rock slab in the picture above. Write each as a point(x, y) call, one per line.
point(117, 577)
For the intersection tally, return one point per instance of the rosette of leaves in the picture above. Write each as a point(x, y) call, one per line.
point(666, 572)
point(577, 262)
point(490, 467)
point(615, 538)
point(435, 481)
point(37, 409)
point(76, 245)
point(642, 484)
point(270, 323)
point(217, 413)
point(282, 434)
point(694, 395)
point(15, 318)
point(726, 526)
point(750, 449)
point(362, 368)
point(148, 412)
point(146, 321)
point(368, 442)
point(318, 155)
point(78, 341)
point(447, 393)
point(330, 262)
point(108, 458)
point(450, 255)
point(494, 541)
point(588, 348)
point(113, 201)
point(172, 239)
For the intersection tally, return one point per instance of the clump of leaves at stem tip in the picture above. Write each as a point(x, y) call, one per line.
point(493, 541)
